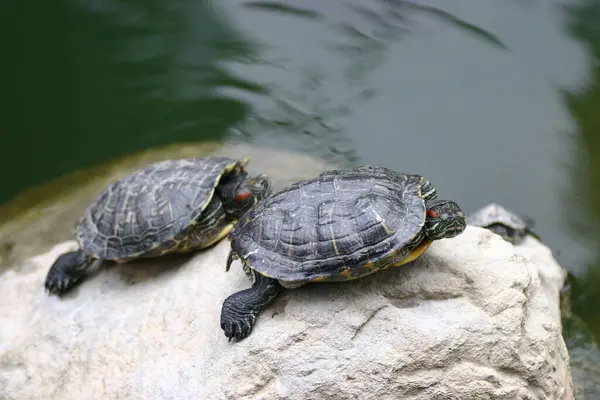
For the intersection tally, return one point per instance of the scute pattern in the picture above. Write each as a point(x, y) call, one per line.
point(149, 207)
point(338, 221)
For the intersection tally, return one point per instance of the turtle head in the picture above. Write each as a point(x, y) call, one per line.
point(242, 192)
point(444, 220)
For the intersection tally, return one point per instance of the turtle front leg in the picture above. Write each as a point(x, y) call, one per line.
point(241, 309)
point(68, 270)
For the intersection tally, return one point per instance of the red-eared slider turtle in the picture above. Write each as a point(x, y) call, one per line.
point(169, 206)
point(339, 226)
point(503, 222)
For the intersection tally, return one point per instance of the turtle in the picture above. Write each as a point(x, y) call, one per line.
point(170, 206)
point(502, 222)
point(341, 225)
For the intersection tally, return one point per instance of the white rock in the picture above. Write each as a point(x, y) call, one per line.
point(473, 318)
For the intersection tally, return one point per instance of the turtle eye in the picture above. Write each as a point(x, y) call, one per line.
point(243, 196)
point(432, 213)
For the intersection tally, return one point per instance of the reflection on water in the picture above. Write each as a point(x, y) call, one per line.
point(319, 84)
point(487, 99)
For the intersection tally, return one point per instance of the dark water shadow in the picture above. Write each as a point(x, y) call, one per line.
point(467, 27)
point(396, 16)
point(582, 328)
point(85, 82)
point(583, 104)
point(282, 8)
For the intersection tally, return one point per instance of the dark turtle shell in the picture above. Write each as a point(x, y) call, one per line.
point(503, 222)
point(151, 206)
point(496, 214)
point(332, 228)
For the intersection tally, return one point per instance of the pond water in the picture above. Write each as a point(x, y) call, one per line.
point(490, 100)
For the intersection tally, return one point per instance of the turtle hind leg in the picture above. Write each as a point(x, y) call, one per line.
point(68, 270)
point(241, 309)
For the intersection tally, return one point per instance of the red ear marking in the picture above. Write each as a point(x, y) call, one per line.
point(432, 213)
point(243, 196)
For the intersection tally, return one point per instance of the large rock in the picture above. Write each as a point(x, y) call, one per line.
point(473, 318)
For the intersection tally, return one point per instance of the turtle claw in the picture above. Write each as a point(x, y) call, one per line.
point(239, 328)
point(67, 271)
point(59, 283)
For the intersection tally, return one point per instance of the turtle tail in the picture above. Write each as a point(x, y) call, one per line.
point(230, 259)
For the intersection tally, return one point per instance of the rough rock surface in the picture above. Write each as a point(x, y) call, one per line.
point(474, 318)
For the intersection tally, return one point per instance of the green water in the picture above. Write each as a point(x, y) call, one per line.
point(491, 100)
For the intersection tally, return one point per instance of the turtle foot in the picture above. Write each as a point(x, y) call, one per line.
point(67, 271)
point(58, 283)
point(237, 327)
point(241, 309)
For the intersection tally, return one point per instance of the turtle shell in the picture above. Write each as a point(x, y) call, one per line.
point(142, 210)
point(338, 226)
point(496, 214)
